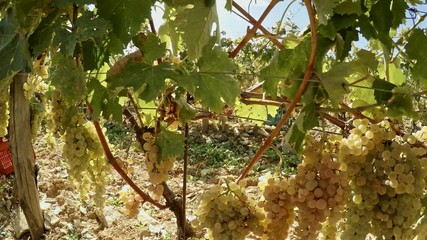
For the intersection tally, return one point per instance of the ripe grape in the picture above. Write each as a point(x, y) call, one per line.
point(4, 111)
point(227, 213)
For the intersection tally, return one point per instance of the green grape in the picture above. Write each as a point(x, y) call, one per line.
point(278, 207)
point(321, 190)
point(228, 213)
point(4, 111)
point(158, 171)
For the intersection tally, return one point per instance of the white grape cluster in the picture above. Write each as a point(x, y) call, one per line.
point(4, 111)
point(387, 180)
point(131, 200)
point(57, 114)
point(277, 205)
point(321, 189)
point(37, 108)
point(87, 167)
point(228, 213)
point(158, 170)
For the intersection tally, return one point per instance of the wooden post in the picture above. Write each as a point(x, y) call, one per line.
point(23, 159)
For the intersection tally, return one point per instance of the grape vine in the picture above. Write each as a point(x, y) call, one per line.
point(106, 59)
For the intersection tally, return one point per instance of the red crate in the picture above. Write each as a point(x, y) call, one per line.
point(6, 166)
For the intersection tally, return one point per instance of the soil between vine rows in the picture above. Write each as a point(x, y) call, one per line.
point(220, 153)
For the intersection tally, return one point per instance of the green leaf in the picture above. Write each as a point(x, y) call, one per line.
point(307, 120)
point(286, 64)
point(396, 75)
point(213, 85)
point(171, 144)
point(152, 48)
point(368, 59)
point(93, 57)
point(349, 7)
point(125, 16)
point(325, 9)
point(335, 83)
point(42, 37)
point(66, 40)
point(68, 78)
point(398, 9)
point(195, 22)
point(382, 90)
point(401, 104)
point(414, 51)
point(91, 27)
point(147, 80)
point(185, 111)
point(415, 40)
point(64, 3)
point(102, 103)
point(381, 16)
point(229, 5)
point(366, 28)
point(14, 53)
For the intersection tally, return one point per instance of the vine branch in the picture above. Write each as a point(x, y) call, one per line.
point(301, 89)
point(112, 160)
point(253, 21)
point(253, 30)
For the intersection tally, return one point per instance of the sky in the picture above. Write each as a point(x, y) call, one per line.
point(236, 27)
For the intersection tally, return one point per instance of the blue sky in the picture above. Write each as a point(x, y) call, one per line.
point(236, 27)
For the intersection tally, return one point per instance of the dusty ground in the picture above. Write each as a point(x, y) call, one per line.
point(67, 217)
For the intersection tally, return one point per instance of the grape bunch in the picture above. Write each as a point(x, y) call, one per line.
point(157, 190)
point(158, 170)
point(57, 114)
point(37, 109)
point(277, 204)
point(132, 201)
point(4, 111)
point(87, 167)
point(387, 180)
point(228, 213)
point(320, 189)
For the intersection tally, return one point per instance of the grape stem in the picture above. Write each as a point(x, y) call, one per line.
point(301, 89)
point(112, 160)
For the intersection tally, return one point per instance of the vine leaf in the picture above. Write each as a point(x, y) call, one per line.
point(381, 16)
point(415, 52)
point(171, 144)
point(68, 78)
point(212, 85)
point(146, 80)
point(125, 16)
point(42, 37)
point(335, 83)
point(93, 56)
point(195, 21)
point(307, 120)
point(66, 40)
point(14, 54)
point(325, 9)
point(349, 7)
point(151, 47)
point(287, 63)
point(90, 27)
point(382, 90)
point(398, 9)
point(102, 103)
point(185, 111)
point(401, 104)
